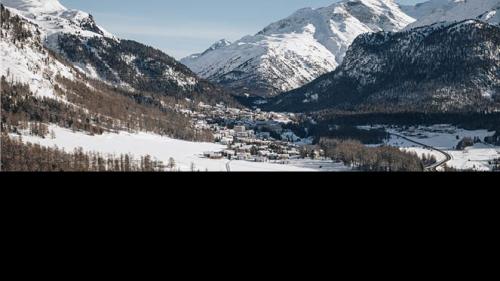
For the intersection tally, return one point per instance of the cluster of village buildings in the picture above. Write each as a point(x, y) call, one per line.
point(243, 144)
point(251, 135)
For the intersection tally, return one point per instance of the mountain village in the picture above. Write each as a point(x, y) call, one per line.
point(252, 135)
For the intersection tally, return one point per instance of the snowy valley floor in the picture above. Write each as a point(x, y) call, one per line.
point(444, 137)
point(162, 148)
point(185, 153)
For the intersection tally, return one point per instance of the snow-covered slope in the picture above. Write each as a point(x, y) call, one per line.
point(437, 11)
point(98, 54)
point(24, 59)
point(53, 18)
point(291, 52)
point(35, 6)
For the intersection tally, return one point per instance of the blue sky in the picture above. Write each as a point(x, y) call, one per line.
point(183, 27)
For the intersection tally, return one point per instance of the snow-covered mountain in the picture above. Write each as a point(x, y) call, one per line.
point(291, 52)
point(35, 6)
point(40, 86)
point(452, 67)
point(217, 45)
point(76, 37)
point(437, 11)
point(53, 18)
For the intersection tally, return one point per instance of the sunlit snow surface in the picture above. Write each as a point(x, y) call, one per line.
point(35, 5)
point(435, 11)
point(162, 148)
point(52, 17)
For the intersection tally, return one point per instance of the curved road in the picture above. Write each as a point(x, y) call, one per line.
point(435, 166)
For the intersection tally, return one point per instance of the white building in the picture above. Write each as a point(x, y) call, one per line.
point(227, 140)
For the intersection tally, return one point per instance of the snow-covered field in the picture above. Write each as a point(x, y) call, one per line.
point(444, 137)
point(162, 148)
point(185, 153)
point(474, 158)
point(439, 136)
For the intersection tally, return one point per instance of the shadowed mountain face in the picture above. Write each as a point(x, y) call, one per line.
point(440, 68)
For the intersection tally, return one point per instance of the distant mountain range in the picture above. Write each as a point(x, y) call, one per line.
point(365, 55)
point(294, 51)
point(452, 67)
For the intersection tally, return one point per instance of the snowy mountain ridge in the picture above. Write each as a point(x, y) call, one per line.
point(217, 45)
point(294, 51)
point(437, 11)
point(75, 36)
point(35, 6)
point(53, 18)
point(291, 52)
